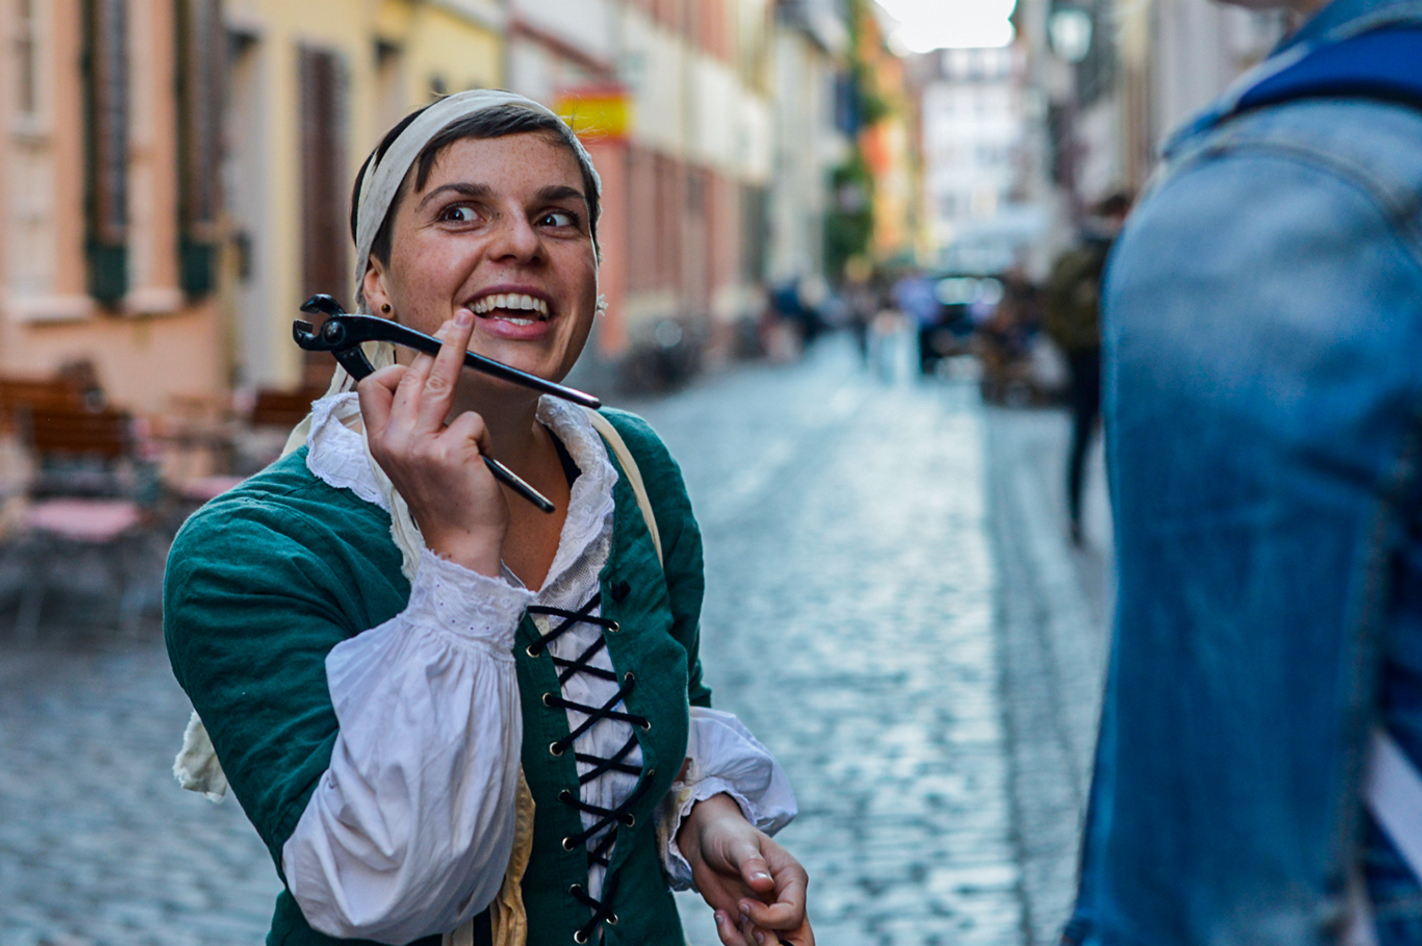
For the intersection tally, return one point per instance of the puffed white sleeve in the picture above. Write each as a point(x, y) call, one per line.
point(410, 829)
point(722, 757)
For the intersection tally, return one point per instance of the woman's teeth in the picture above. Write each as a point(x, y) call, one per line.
point(508, 303)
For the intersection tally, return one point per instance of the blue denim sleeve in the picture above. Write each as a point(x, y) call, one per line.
point(1263, 324)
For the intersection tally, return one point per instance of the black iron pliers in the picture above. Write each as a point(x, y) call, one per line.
point(343, 333)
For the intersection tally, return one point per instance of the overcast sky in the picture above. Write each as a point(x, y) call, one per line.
point(925, 25)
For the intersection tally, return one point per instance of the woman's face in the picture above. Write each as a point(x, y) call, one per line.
point(500, 227)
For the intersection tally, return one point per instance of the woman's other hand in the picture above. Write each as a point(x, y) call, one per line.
point(756, 888)
point(455, 500)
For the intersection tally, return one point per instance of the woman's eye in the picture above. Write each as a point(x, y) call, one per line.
point(558, 218)
point(458, 214)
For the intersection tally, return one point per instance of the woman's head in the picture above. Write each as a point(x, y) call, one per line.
point(492, 121)
point(483, 201)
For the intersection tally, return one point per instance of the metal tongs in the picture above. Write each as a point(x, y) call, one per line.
point(343, 333)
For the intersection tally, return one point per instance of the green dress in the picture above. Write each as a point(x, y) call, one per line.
point(266, 579)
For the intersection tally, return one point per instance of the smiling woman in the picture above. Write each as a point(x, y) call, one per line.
point(451, 717)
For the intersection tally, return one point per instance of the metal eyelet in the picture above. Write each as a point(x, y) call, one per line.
point(575, 889)
point(614, 627)
point(646, 725)
point(569, 844)
point(580, 937)
point(548, 699)
point(612, 920)
point(629, 678)
point(554, 749)
point(532, 651)
point(629, 819)
point(566, 797)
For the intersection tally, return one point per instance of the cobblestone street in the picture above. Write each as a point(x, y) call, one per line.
point(892, 608)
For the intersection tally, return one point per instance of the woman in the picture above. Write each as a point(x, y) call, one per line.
point(452, 717)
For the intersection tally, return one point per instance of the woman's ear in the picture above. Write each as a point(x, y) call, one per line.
point(377, 296)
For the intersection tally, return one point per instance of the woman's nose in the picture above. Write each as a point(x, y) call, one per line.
point(516, 238)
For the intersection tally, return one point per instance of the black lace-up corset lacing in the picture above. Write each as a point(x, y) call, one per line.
point(607, 820)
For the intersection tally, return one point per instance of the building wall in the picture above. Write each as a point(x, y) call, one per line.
point(807, 146)
point(393, 55)
point(1173, 57)
point(982, 198)
point(718, 182)
point(1176, 57)
point(154, 343)
point(697, 135)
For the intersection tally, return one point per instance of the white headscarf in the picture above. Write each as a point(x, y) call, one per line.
point(379, 185)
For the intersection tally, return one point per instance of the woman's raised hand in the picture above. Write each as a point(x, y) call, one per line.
point(456, 502)
point(755, 886)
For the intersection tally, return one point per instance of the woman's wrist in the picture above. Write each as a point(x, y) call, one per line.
point(482, 553)
point(703, 814)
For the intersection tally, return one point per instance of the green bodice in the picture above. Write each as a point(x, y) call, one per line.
point(266, 579)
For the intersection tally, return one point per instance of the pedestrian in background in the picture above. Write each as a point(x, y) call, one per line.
point(914, 298)
point(860, 302)
point(1004, 343)
point(1071, 317)
point(1263, 339)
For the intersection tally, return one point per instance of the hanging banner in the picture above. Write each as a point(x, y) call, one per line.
point(602, 111)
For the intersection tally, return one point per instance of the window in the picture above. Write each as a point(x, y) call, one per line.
point(755, 232)
point(26, 46)
point(324, 214)
point(324, 218)
point(389, 83)
point(643, 214)
point(202, 57)
point(105, 70)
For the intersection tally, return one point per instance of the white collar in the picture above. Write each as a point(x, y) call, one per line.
point(337, 456)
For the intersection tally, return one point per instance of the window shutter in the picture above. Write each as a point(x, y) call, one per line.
point(106, 107)
point(324, 188)
point(202, 60)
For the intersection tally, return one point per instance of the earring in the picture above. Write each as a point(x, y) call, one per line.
point(385, 309)
point(601, 304)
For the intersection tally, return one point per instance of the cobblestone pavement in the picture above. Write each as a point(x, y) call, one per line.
point(1051, 609)
point(887, 609)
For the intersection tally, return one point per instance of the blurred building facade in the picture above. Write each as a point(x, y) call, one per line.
point(177, 172)
point(1112, 79)
point(169, 202)
point(889, 139)
point(310, 89)
point(809, 43)
point(975, 143)
point(111, 222)
point(672, 97)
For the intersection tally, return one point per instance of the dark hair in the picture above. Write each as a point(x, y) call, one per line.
point(495, 122)
point(1115, 205)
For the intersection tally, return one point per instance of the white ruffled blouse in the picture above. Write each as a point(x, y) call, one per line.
point(409, 831)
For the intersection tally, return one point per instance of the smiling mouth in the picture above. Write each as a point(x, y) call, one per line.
point(516, 308)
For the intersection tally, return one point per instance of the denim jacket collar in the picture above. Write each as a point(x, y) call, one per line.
point(1335, 22)
point(1317, 30)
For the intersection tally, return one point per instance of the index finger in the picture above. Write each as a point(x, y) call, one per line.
point(438, 395)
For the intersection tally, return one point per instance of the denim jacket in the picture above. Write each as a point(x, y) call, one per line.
point(1263, 337)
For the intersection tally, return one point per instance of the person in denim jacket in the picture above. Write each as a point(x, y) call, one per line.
point(1263, 340)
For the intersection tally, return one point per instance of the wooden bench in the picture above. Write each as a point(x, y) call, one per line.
point(60, 431)
point(27, 392)
point(83, 496)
